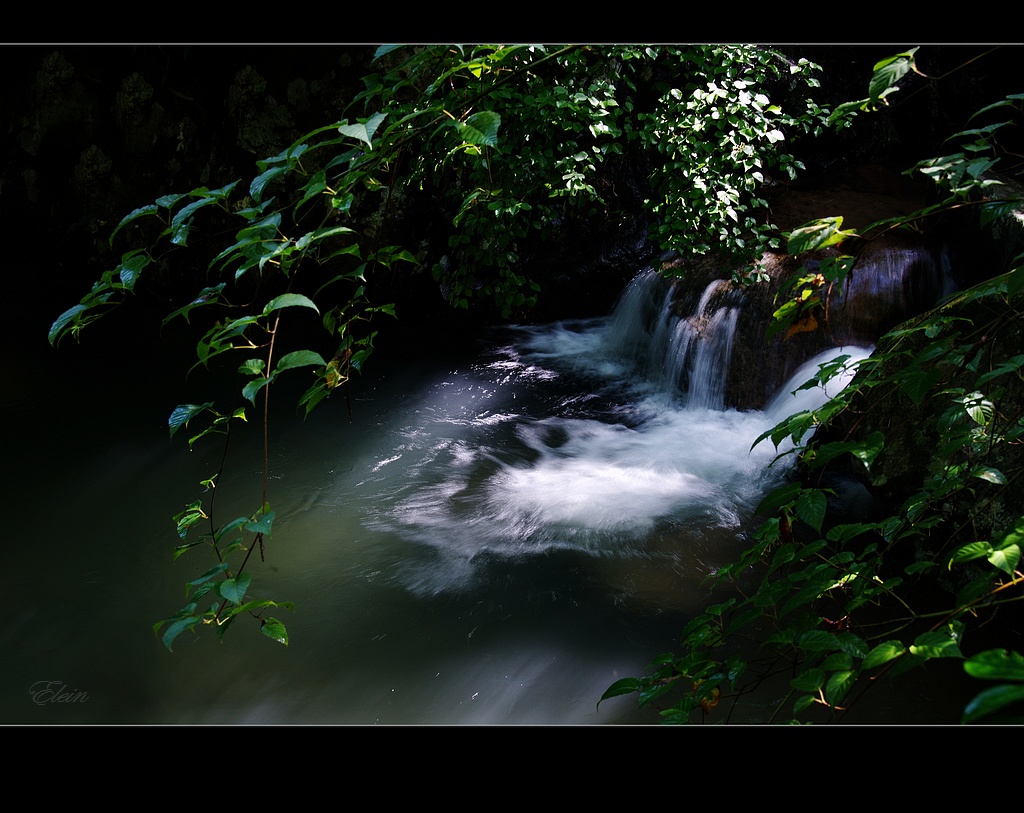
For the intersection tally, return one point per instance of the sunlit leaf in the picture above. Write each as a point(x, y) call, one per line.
point(480, 129)
point(889, 71)
point(1005, 558)
point(839, 685)
point(816, 235)
point(363, 131)
point(990, 474)
point(996, 664)
point(938, 644)
point(883, 653)
point(970, 551)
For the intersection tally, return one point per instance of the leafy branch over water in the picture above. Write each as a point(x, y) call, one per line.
point(837, 606)
point(510, 143)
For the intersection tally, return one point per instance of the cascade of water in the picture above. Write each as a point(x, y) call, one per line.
point(638, 318)
point(684, 357)
point(565, 441)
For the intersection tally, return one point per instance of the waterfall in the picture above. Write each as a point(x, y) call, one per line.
point(686, 357)
point(605, 437)
point(703, 340)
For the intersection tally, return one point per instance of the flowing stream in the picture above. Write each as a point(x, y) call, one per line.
point(494, 537)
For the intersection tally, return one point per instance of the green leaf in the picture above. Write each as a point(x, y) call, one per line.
point(274, 629)
point(260, 182)
point(837, 661)
point(996, 664)
point(938, 644)
point(250, 390)
point(811, 506)
point(621, 687)
point(168, 201)
point(68, 317)
point(364, 130)
point(257, 605)
point(192, 514)
point(809, 681)
point(888, 72)
point(818, 641)
point(844, 533)
point(882, 654)
point(839, 685)
point(233, 590)
point(263, 524)
point(216, 194)
point(289, 301)
point(852, 644)
point(777, 498)
point(183, 413)
point(1005, 558)
point(480, 129)
point(299, 358)
point(319, 234)
point(817, 234)
point(806, 595)
point(969, 552)
point(213, 572)
point(228, 527)
point(866, 451)
point(143, 211)
point(289, 157)
point(177, 627)
point(180, 221)
point(207, 296)
point(993, 700)
point(980, 409)
point(989, 474)
point(384, 50)
point(132, 265)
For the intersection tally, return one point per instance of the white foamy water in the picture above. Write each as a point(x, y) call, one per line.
point(571, 437)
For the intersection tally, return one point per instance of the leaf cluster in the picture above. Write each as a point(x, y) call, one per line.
point(837, 606)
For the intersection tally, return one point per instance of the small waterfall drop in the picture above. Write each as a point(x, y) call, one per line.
point(686, 357)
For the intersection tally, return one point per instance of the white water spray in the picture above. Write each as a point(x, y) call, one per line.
point(583, 436)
